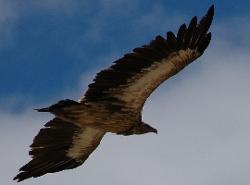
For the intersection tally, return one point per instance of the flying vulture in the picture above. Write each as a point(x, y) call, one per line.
point(114, 101)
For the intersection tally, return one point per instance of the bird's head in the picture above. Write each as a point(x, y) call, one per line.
point(144, 128)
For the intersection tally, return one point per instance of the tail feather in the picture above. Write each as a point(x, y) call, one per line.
point(43, 109)
point(59, 106)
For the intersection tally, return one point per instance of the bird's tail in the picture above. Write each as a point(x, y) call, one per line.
point(43, 109)
point(58, 106)
point(67, 110)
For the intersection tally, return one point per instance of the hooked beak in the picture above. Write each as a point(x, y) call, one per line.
point(154, 130)
point(147, 128)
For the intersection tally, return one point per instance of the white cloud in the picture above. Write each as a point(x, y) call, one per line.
point(203, 123)
point(17, 131)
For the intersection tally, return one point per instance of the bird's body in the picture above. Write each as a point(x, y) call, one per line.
point(96, 115)
point(114, 101)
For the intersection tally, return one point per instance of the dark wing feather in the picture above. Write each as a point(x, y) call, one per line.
point(60, 145)
point(132, 78)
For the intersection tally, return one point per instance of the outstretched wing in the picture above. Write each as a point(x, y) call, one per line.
point(130, 81)
point(60, 145)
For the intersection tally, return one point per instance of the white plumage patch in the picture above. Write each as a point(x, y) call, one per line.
point(85, 142)
point(143, 84)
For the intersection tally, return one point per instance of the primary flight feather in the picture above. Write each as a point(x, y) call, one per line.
point(114, 101)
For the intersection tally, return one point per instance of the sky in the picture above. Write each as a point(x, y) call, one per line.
point(51, 50)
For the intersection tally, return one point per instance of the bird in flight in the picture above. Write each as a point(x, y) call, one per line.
point(114, 101)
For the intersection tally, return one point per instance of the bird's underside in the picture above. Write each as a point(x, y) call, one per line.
point(114, 101)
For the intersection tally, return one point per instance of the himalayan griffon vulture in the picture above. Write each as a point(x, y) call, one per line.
point(114, 101)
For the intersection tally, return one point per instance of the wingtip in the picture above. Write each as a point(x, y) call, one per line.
point(211, 10)
point(17, 178)
point(20, 176)
point(194, 19)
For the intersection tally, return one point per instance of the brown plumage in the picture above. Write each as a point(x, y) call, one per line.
point(114, 101)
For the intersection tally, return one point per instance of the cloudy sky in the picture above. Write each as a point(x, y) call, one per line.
point(51, 49)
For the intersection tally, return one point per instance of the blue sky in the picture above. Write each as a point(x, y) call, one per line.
point(51, 50)
point(47, 45)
